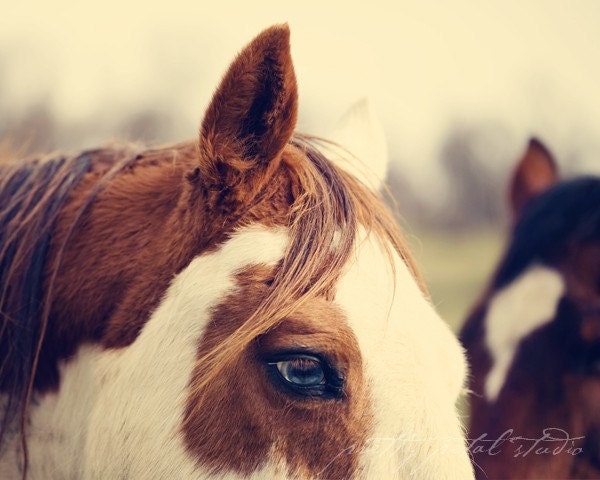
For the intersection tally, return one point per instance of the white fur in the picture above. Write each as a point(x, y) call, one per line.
point(514, 312)
point(415, 368)
point(361, 133)
point(109, 430)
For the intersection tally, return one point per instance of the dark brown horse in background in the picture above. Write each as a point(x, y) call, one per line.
point(533, 340)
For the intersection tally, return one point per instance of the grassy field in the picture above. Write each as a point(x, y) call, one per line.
point(456, 267)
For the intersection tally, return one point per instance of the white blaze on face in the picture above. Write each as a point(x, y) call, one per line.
point(514, 312)
point(414, 366)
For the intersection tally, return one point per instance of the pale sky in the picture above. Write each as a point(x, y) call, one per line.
point(533, 66)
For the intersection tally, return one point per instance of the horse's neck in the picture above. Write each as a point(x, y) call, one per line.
point(118, 260)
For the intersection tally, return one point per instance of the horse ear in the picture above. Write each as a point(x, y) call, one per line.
point(536, 172)
point(360, 133)
point(253, 113)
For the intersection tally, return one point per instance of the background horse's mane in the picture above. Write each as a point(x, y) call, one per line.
point(329, 207)
point(568, 211)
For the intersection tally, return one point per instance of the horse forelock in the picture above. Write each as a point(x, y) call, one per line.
point(329, 207)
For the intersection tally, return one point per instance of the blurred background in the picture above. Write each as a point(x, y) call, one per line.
point(460, 87)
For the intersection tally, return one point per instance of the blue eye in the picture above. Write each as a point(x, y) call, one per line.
point(302, 371)
point(306, 375)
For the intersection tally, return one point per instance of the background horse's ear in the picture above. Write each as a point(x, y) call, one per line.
point(364, 151)
point(253, 113)
point(536, 172)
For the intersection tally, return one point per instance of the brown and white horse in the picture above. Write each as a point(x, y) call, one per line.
point(233, 307)
point(534, 339)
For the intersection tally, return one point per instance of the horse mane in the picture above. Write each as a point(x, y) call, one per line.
point(329, 206)
point(32, 193)
point(568, 211)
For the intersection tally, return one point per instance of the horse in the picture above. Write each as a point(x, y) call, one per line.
point(533, 340)
point(237, 306)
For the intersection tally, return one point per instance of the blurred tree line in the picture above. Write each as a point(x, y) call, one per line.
point(475, 160)
point(474, 182)
point(35, 129)
point(474, 157)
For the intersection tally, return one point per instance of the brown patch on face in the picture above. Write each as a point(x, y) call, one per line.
point(247, 418)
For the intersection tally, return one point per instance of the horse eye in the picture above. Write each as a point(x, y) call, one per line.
point(306, 375)
point(302, 371)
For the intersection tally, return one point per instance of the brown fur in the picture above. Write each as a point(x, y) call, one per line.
point(138, 217)
point(248, 414)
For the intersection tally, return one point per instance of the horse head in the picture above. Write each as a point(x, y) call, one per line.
point(237, 307)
